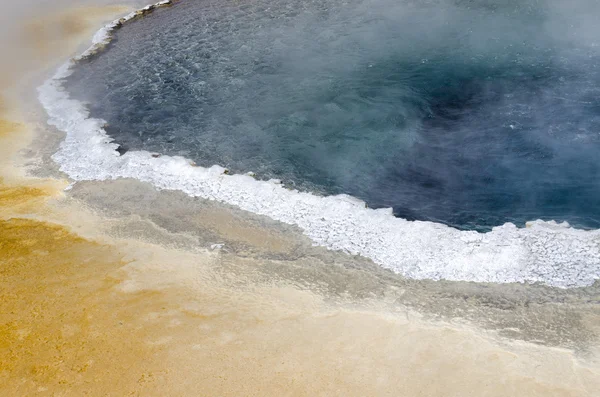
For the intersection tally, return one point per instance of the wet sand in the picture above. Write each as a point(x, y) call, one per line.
point(116, 289)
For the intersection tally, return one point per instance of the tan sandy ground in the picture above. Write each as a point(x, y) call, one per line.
point(82, 316)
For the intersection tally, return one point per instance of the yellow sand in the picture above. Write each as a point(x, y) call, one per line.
point(108, 317)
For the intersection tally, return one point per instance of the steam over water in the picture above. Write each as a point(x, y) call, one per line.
point(469, 113)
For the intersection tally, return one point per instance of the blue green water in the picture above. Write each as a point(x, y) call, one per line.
point(469, 113)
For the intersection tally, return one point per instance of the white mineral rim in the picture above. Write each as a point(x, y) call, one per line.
point(547, 252)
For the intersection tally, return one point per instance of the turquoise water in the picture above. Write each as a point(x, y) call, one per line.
point(470, 113)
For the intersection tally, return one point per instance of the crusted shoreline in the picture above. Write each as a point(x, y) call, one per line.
point(546, 252)
point(104, 35)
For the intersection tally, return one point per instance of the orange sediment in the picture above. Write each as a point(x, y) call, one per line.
point(64, 328)
point(59, 313)
point(72, 326)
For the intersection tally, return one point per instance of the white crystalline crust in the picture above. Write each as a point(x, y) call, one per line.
point(546, 252)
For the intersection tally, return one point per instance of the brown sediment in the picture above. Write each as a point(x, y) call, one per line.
point(244, 231)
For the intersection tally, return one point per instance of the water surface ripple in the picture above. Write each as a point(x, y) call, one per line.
point(467, 113)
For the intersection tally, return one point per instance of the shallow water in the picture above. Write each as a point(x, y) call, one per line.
point(470, 114)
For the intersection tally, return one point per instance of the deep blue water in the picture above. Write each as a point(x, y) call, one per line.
point(470, 113)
